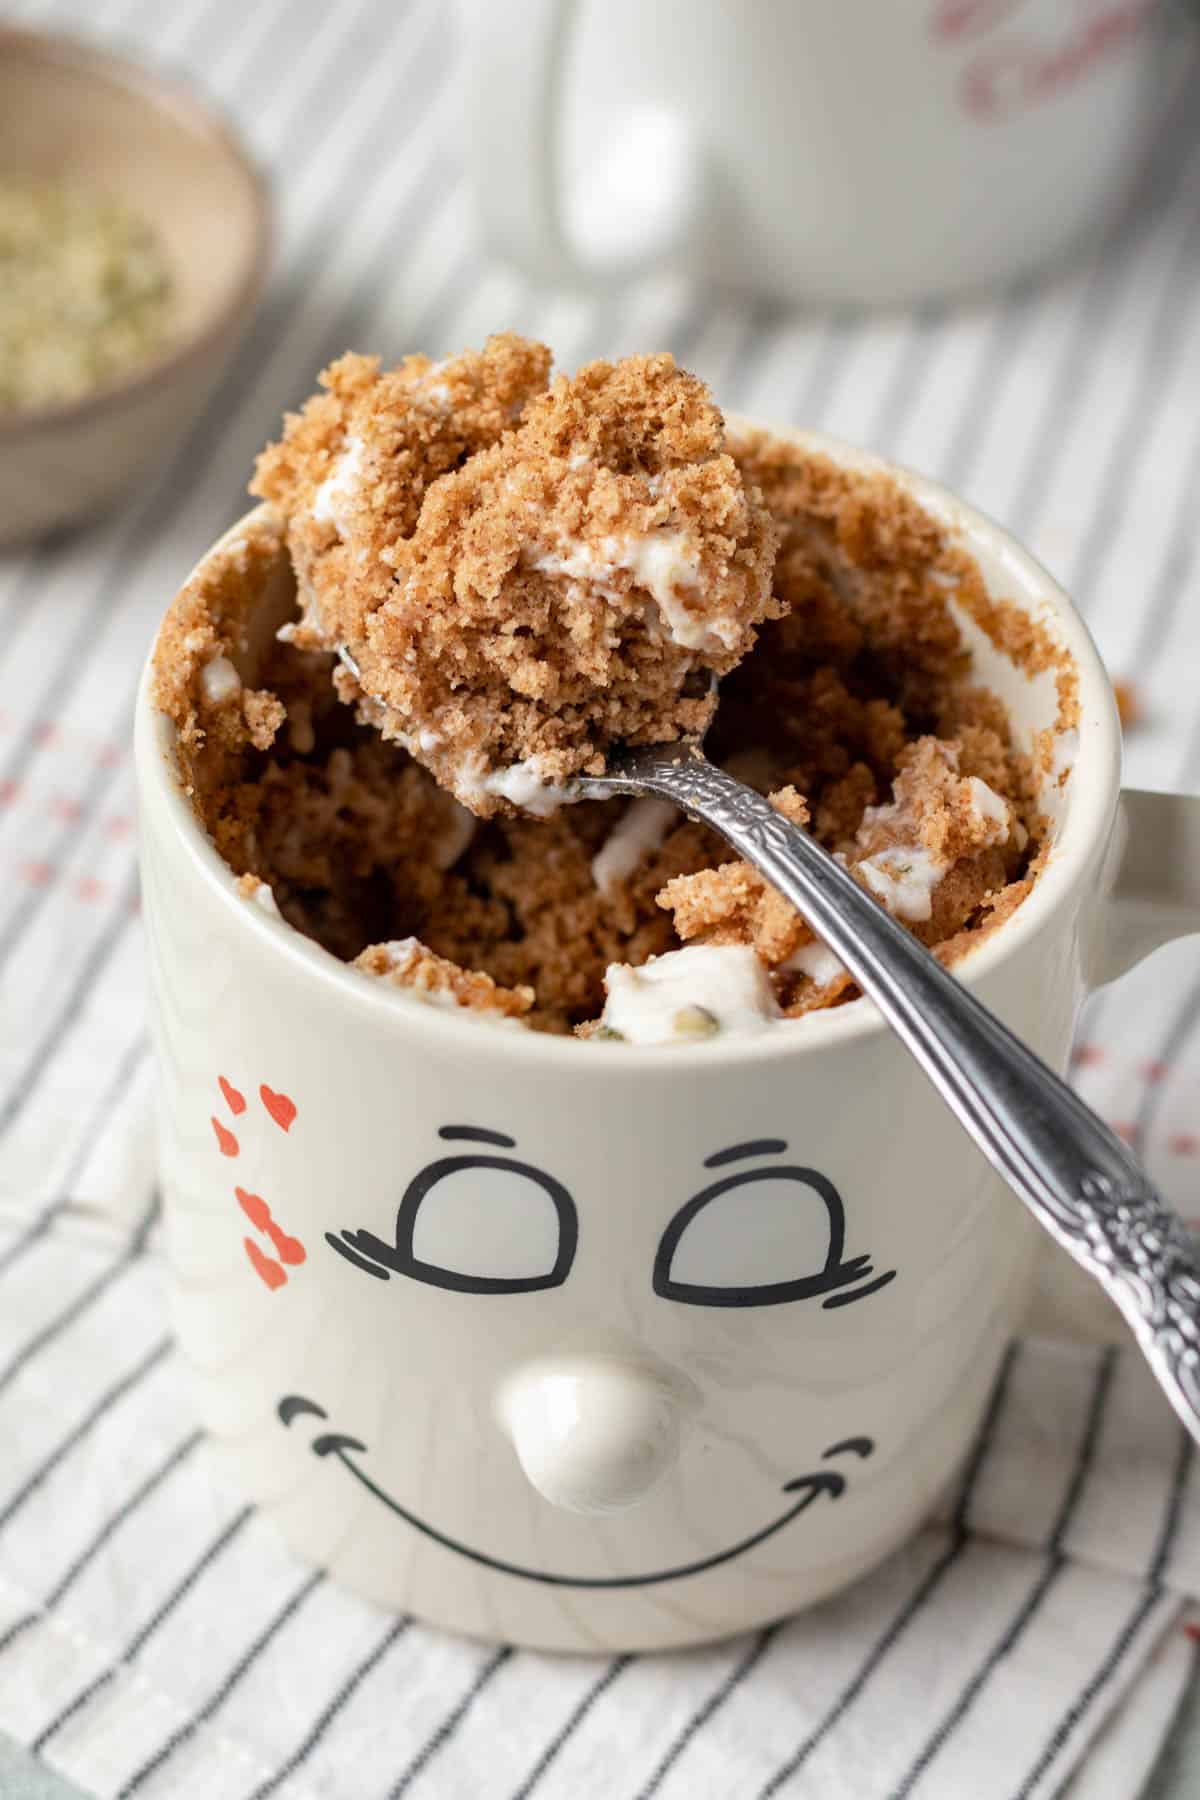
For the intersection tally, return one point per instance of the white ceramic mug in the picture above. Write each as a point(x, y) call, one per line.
point(824, 150)
point(649, 1345)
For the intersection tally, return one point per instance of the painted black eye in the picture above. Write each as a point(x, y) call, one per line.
point(477, 1225)
point(758, 1238)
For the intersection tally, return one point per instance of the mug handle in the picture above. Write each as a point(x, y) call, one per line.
point(1155, 896)
point(514, 61)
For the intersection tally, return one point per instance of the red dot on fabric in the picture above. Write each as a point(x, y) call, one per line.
point(119, 827)
point(88, 887)
point(9, 790)
point(37, 873)
point(63, 807)
point(1086, 1056)
point(45, 734)
point(1126, 1130)
point(1153, 1070)
point(109, 755)
point(1184, 1143)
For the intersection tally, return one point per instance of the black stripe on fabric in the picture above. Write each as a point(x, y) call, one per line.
point(138, 31)
point(1165, 176)
point(1004, 340)
point(324, 1719)
point(450, 1724)
point(142, 1636)
point(571, 1724)
point(983, 1438)
point(1055, 1563)
point(812, 401)
point(689, 332)
point(751, 348)
point(900, 396)
point(959, 1539)
point(23, 587)
point(219, 1695)
point(912, 1606)
point(1065, 394)
point(1146, 1603)
point(1093, 1425)
point(1173, 582)
point(1183, 1467)
point(88, 1140)
point(79, 1431)
point(74, 1310)
point(102, 1536)
point(1189, 776)
point(1175, 310)
point(86, 978)
point(745, 1666)
point(447, 297)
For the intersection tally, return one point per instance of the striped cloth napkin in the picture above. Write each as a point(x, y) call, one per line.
point(154, 1637)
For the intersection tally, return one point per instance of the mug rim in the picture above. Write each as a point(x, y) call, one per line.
point(1095, 775)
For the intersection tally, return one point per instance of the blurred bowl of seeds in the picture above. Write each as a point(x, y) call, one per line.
point(134, 241)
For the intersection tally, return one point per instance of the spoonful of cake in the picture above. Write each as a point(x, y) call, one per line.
point(517, 580)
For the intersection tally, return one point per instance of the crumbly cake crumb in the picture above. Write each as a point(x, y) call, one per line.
point(935, 855)
point(524, 587)
point(408, 964)
point(1129, 704)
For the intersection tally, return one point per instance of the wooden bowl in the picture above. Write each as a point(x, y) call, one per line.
point(67, 111)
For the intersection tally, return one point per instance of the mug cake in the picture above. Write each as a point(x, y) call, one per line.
point(520, 573)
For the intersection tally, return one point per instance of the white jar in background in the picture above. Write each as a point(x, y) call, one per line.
point(805, 150)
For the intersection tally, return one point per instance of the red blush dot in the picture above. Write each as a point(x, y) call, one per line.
point(227, 1144)
point(235, 1101)
point(264, 1266)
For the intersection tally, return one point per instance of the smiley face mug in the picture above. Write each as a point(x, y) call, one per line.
point(610, 1347)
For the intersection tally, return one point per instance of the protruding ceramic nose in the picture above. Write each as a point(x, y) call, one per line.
point(592, 1433)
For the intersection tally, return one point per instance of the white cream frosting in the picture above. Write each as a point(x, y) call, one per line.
point(340, 487)
point(664, 562)
point(263, 897)
point(697, 992)
point(524, 785)
point(904, 876)
point(219, 680)
point(640, 829)
point(817, 961)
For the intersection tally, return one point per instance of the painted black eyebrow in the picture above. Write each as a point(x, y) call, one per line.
point(475, 1134)
point(735, 1153)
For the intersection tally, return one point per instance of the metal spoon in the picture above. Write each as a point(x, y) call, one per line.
point(1076, 1177)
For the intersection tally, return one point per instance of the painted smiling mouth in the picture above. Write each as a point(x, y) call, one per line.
point(808, 1488)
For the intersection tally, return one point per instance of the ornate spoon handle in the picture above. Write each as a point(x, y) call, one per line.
point(1077, 1178)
